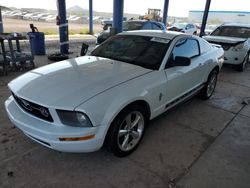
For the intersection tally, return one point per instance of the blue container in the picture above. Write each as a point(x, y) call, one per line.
point(37, 43)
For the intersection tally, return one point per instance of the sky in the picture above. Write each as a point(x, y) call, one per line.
point(176, 7)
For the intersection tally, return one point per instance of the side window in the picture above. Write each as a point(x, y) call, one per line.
point(185, 48)
point(156, 26)
point(188, 26)
point(147, 25)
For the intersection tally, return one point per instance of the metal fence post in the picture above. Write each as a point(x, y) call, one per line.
point(165, 12)
point(63, 27)
point(204, 20)
point(118, 15)
point(90, 16)
point(1, 21)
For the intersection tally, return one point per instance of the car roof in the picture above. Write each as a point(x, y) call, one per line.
point(236, 24)
point(136, 21)
point(154, 33)
point(143, 21)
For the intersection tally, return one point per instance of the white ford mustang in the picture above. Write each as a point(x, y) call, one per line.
point(78, 105)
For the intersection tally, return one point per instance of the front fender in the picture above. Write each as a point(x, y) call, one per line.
point(103, 108)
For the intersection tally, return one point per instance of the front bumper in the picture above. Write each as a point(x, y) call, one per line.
point(48, 134)
point(234, 57)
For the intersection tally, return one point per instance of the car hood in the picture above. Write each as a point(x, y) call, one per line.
point(222, 39)
point(69, 83)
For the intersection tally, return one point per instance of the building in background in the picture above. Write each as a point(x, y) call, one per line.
point(217, 17)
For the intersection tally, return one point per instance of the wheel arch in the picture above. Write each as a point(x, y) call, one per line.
point(217, 68)
point(139, 102)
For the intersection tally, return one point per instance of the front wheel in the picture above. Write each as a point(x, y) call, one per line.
point(126, 131)
point(210, 85)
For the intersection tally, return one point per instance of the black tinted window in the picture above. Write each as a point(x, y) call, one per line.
point(156, 27)
point(232, 31)
point(129, 26)
point(147, 52)
point(147, 26)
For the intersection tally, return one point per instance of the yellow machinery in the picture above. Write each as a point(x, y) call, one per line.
point(153, 14)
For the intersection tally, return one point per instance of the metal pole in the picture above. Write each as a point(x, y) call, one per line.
point(165, 12)
point(63, 27)
point(204, 20)
point(1, 21)
point(118, 15)
point(90, 16)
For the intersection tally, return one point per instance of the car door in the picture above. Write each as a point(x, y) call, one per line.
point(183, 79)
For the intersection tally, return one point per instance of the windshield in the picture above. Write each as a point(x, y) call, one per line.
point(179, 25)
point(147, 52)
point(232, 31)
point(130, 26)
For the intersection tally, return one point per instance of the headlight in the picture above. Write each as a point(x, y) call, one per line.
point(74, 119)
point(238, 47)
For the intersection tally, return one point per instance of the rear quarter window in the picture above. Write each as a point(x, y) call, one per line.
point(204, 46)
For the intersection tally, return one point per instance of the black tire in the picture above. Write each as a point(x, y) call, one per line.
point(58, 57)
point(114, 142)
point(208, 90)
point(241, 67)
point(32, 64)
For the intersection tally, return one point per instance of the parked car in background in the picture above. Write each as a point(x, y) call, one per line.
point(107, 23)
point(77, 105)
point(210, 28)
point(133, 25)
point(235, 40)
point(184, 28)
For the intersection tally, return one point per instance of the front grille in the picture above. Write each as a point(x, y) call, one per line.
point(226, 47)
point(34, 109)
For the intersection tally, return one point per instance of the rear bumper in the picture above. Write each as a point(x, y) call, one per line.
point(48, 134)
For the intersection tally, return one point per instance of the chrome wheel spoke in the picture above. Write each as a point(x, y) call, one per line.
point(128, 121)
point(122, 132)
point(125, 141)
point(136, 121)
point(135, 134)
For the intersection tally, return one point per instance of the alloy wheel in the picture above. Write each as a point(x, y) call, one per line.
point(211, 84)
point(131, 131)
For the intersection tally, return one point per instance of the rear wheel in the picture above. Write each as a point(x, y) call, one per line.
point(244, 64)
point(126, 131)
point(210, 85)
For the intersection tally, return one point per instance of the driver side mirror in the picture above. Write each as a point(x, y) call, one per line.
point(178, 61)
point(182, 61)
